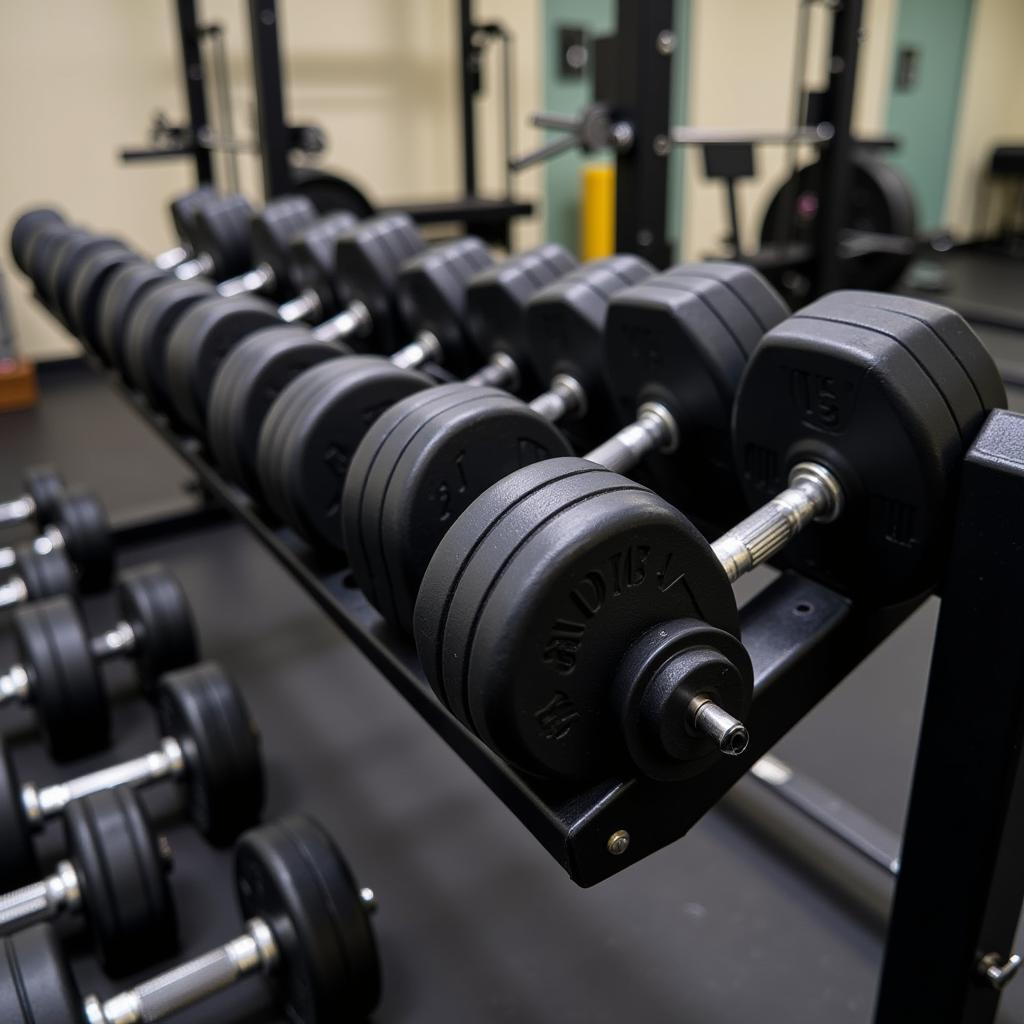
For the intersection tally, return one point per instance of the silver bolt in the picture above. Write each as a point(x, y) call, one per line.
point(661, 145)
point(618, 842)
point(644, 237)
point(666, 43)
point(997, 972)
point(163, 848)
point(368, 898)
point(729, 734)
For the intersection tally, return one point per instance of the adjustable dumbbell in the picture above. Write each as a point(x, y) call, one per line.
point(114, 875)
point(583, 627)
point(313, 427)
point(40, 501)
point(58, 672)
point(80, 531)
point(307, 930)
point(210, 747)
point(674, 346)
point(207, 327)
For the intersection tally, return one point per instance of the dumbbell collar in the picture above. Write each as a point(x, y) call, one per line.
point(564, 398)
point(42, 900)
point(17, 510)
point(305, 306)
point(167, 762)
point(501, 371)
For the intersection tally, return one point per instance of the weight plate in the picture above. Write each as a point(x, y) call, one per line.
point(43, 249)
point(36, 986)
point(183, 210)
point(63, 270)
point(148, 330)
point(123, 880)
point(331, 193)
point(87, 286)
point(292, 875)
point(749, 286)
point(199, 343)
point(313, 264)
point(435, 460)
point(224, 787)
point(18, 864)
point(46, 487)
point(70, 700)
point(273, 228)
point(44, 575)
point(24, 229)
point(855, 400)
point(248, 382)
point(124, 288)
point(88, 541)
point(223, 231)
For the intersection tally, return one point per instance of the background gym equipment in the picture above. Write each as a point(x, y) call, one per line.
point(307, 929)
point(210, 748)
point(43, 490)
point(114, 875)
point(59, 669)
point(36, 576)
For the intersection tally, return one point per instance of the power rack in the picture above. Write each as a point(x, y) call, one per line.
point(959, 888)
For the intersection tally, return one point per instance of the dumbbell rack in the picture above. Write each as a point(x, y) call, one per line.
point(966, 817)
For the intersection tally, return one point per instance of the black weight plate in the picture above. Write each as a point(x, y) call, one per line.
point(953, 331)
point(36, 986)
point(87, 286)
point(292, 875)
point(43, 248)
point(855, 400)
point(44, 575)
point(62, 272)
point(323, 415)
point(70, 700)
point(184, 208)
point(25, 227)
point(46, 487)
point(148, 330)
point(566, 322)
point(199, 343)
point(273, 229)
point(331, 193)
point(223, 231)
point(313, 264)
point(64, 249)
point(432, 297)
point(921, 344)
point(369, 258)
point(246, 386)
point(433, 463)
point(124, 288)
point(751, 287)
point(682, 341)
point(18, 864)
point(154, 604)
point(204, 710)
point(496, 307)
point(88, 540)
point(123, 878)
point(577, 569)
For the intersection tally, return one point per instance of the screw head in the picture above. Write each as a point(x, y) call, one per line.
point(661, 145)
point(666, 42)
point(618, 842)
point(368, 898)
point(163, 848)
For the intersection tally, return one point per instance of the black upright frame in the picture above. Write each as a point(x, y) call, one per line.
point(194, 81)
point(274, 136)
point(469, 79)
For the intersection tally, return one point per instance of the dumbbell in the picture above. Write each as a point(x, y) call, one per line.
point(58, 671)
point(35, 576)
point(210, 747)
point(43, 490)
point(312, 429)
point(114, 875)
point(307, 930)
point(199, 328)
point(674, 346)
point(583, 627)
point(81, 531)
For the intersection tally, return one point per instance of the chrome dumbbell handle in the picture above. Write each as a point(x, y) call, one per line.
point(501, 371)
point(253, 280)
point(353, 322)
point(654, 429)
point(305, 306)
point(564, 398)
point(121, 639)
point(17, 510)
point(424, 348)
point(170, 258)
point(195, 267)
point(50, 540)
point(41, 901)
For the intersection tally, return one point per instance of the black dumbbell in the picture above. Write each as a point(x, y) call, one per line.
point(35, 576)
point(39, 503)
point(24, 230)
point(206, 327)
point(312, 429)
point(80, 530)
point(114, 875)
point(307, 930)
point(675, 346)
point(583, 627)
point(210, 747)
point(58, 672)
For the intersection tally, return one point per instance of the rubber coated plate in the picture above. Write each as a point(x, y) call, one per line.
point(147, 331)
point(36, 986)
point(123, 878)
point(330, 193)
point(222, 231)
point(313, 265)
point(26, 226)
point(87, 286)
point(199, 344)
point(67, 691)
point(292, 875)
point(125, 287)
point(44, 250)
point(46, 487)
point(205, 712)
point(434, 461)
point(18, 865)
point(44, 575)
point(63, 271)
point(752, 288)
point(273, 228)
point(313, 430)
point(154, 604)
point(577, 562)
point(859, 403)
point(87, 539)
point(246, 386)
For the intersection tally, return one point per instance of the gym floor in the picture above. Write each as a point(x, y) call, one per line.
point(755, 915)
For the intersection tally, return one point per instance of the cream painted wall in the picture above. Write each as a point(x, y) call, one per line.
point(740, 77)
point(991, 112)
point(81, 79)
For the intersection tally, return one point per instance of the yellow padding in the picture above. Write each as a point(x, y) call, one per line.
point(597, 212)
